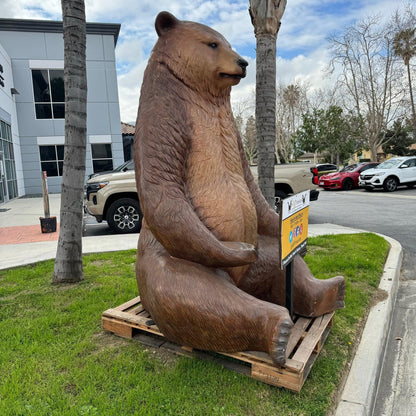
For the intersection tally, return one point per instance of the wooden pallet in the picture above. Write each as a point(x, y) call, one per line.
point(305, 342)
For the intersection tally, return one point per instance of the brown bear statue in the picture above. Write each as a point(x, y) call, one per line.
point(208, 253)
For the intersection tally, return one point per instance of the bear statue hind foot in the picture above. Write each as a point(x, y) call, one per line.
point(326, 296)
point(279, 340)
point(339, 285)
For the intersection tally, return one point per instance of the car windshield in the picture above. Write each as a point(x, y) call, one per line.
point(125, 166)
point(389, 164)
point(349, 168)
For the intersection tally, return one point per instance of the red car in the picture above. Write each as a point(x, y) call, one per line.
point(346, 178)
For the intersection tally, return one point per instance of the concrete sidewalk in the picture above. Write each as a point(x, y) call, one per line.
point(22, 243)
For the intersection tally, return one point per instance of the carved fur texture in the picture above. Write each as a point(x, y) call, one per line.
point(207, 263)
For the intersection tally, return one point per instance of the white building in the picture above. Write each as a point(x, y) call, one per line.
point(32, 104)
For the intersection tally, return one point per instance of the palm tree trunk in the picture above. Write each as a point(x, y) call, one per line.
point(412, 101)
point(265, 112)
point(266, 16)
point(68, 262)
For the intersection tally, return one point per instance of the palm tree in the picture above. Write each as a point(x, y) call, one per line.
point(404, 46)
point(291, 96)
point(265, 17)
point(68, 262)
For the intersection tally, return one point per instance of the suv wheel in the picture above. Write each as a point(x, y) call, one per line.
point(390, 184)
point(124, 216)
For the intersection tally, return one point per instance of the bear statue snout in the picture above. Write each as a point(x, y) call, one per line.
point(242, 63)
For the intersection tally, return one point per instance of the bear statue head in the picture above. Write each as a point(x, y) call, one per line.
point(197, 55)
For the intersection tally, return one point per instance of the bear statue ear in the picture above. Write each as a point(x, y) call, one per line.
point(164, 22)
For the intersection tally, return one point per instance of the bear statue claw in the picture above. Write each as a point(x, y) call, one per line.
point(279, 342)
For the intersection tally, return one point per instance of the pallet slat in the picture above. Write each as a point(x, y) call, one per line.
point(136, 310)
point(129, 304)
point(296, 334)
point(312, 337)
point(305, 342)
point(127, 319)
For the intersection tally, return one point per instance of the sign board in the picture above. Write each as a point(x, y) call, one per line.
point(294, 212)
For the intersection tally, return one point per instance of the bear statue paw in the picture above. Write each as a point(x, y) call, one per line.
point(279, 341)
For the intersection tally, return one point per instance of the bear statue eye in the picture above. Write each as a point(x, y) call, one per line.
point(213, 45)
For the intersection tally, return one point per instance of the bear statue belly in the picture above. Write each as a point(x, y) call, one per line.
point(216, 184)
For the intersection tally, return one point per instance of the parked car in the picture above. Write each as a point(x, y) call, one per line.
point(113, 197)
point(390, 174)
point(325, 168)
point(347, 178)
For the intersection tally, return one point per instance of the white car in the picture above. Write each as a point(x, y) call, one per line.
point(390, 174)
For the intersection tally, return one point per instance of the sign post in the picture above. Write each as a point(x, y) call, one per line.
point(45, 194)
point(294, 235)
point(47, 223)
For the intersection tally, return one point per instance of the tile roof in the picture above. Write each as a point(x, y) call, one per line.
point(127, 128)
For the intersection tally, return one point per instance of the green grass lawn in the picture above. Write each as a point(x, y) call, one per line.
point(56, 360)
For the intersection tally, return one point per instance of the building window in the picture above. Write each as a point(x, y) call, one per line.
point(8, 180)
point(102, 157)
point(52, 159)
point(49, 93)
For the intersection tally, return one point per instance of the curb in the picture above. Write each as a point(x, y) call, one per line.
point(357, 398)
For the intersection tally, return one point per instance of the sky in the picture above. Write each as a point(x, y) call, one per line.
point(302, 47)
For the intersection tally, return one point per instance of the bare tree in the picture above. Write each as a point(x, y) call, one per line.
point(250, 140)
point(403, 23)
point(244, 108)
point(404, 46)
point(239, 122)
point(265, 17)
point(369, 77)
point(68, 262)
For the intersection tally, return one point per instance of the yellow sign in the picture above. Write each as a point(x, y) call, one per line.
point(294, 234)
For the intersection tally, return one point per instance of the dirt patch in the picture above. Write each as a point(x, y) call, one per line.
point(71, 389)
point(106, 340)
point(99, 263)
point(379, 295)
point(166, 358)
point(162, 357)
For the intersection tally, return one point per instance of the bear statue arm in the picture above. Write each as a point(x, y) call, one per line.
point(174, 223)
point(168, 212)
point(268, 221)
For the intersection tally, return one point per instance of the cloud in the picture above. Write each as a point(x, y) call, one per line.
point(32, 9)
point(129, 85)
point(129, 52)
point(301, 43)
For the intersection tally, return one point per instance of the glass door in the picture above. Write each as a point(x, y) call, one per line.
point(3, 185)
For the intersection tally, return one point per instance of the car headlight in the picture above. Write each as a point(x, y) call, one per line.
point(95, 187)
point(379, 173)
point(337, 178)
